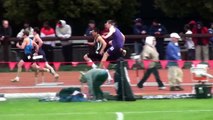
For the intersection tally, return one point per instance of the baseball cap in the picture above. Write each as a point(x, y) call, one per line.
point(174, 35)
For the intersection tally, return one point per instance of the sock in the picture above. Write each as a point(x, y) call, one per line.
point(93, 65)
point(109, 76)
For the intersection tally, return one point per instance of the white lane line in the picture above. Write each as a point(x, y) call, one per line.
point(120, 116)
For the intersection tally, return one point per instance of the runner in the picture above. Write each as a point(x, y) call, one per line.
point(99, 45)
point(28, 45)
point(39, 41)
point(117, 42)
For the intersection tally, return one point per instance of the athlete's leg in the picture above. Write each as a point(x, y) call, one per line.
point(52, 71)
point(20, 64)
point(88, 59)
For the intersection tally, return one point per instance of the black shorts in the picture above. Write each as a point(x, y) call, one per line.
point(114, 53)
point(41, 52)
point(27, 58)
point(94, 56)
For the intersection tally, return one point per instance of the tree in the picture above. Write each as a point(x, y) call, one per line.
point(72, 10)
point(184, 8)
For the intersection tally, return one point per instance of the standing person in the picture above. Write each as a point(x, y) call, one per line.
point(39, 41)
point(189, 44)
point(63, 31)
point(157, 29)
point(150, 53)
point(175, 74)
point(26, 27)
point(201, 44)
point(28, 45)
point(211, 39)
point(139, 29)
point(5, 33)
point(91, 26)
point(94, 79)
point(99, 44)
point(48, 46)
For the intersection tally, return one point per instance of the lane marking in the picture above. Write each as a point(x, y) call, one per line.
point(120, 116)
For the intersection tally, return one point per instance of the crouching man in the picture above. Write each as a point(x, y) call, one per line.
point(94, 79)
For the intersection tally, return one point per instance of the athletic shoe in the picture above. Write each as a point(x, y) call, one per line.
point(139, 85)
point(56, 77)
point(162, 88)
point(179, 88)
point(16, 79)
point(124, 52)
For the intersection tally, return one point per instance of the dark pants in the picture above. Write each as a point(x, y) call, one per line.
point(67, 52)
point(191, 54)
point(148, 73)
point(160, 48)
point(48, 49)
point(101, 78)
point(5, 50)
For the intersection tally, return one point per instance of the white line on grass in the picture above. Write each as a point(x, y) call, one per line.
point(94, 113)
point(120, 116)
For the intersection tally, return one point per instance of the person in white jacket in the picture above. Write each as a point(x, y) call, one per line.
point(28, 28)
point(64, 31)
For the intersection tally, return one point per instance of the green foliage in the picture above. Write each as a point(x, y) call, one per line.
point(39, 10)
point(184, 8)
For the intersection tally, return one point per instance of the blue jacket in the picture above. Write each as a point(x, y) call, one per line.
point(211, 32)
point(159, 28)
point(173, 53)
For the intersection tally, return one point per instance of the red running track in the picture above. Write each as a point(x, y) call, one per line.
point(27, 83)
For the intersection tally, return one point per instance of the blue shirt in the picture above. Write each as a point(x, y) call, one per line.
point(29, 48)
point(172, 53)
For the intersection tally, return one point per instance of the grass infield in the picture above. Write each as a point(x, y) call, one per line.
point(174, 109)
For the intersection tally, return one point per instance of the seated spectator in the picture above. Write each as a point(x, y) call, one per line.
point(28, 28)
point(157, 29)
point(64, 31)
point(91, 26)
point(139, 29)
point(47, 31)
point(5, 32)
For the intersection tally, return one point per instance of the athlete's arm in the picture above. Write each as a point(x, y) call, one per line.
point(102, 41)
point(111, 31)
point(36, 46)
point(123, 37)
point(39, 40)
point(22, 46)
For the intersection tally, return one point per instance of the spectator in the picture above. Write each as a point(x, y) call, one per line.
point(5, 32)
point(139, 29)
point(189, 44)
point(211, 39)
point(28, 28)
point(94, 79)
point(150, 53)
point(91, 26)
point(175, 74)
point(201, 44)
point(64, 31)
point(157, 29)
point(47, 31)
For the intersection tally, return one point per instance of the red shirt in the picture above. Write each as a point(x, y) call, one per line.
point(49, 31)
point(205, 40)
